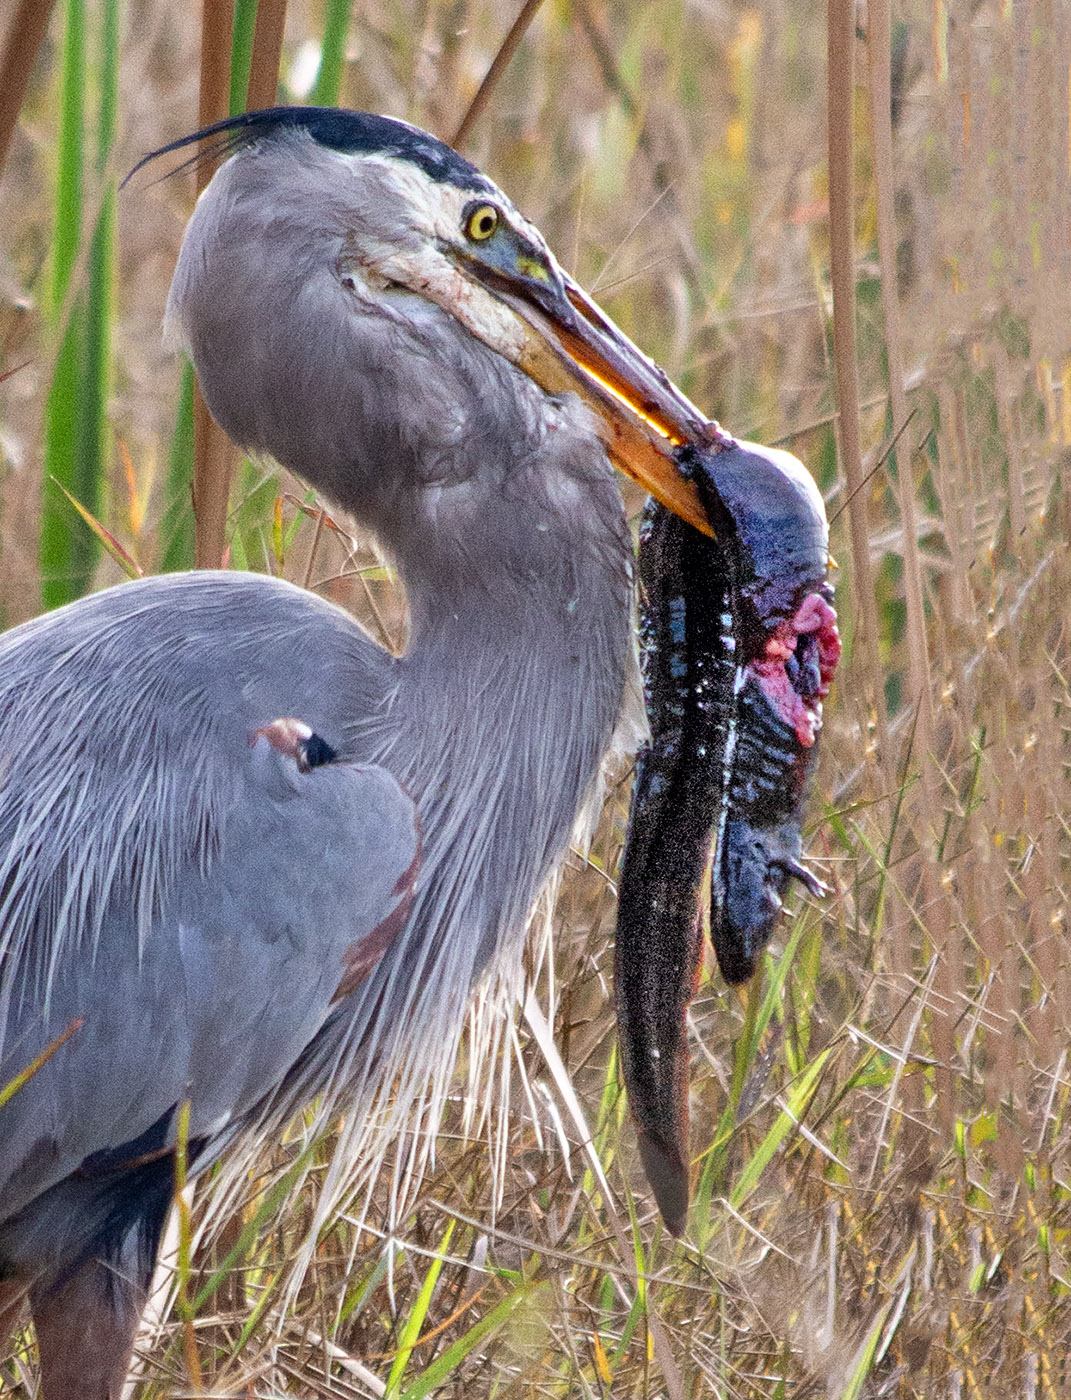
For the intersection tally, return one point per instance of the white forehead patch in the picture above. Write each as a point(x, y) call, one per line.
point(435, 207)
point(435, 215)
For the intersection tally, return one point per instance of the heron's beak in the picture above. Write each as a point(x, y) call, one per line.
point(568, 344)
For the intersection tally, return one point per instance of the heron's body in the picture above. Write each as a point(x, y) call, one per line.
point(204, 873)
point(230, 927)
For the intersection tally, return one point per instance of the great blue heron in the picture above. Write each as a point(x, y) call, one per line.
point(247, 853)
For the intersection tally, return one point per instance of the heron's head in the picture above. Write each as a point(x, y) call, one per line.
point(353, 292)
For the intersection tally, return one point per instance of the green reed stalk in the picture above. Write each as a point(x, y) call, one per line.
point(328, 83)
point(65, 552)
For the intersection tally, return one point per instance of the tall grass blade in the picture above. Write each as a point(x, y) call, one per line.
point(176, 530)
point(12, 1087)
point(94, 428)
point(129, 565)
point(879, 43)
point(268, 1207)
point(66, 557)
point(328, 84)
point(93, 440)
point(183, 1269)
point(879, 39)
point(77, 434)
point(864, 1358)
point(506, 50)
point(796, 1103)
point(245, 23)
point(68, 225)
point(415, 1321)
point(217, 26)
point(443, 1367)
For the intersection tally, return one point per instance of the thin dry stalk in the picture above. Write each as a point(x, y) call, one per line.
point(880, 53)
point(841, 86)
point(217, 22)
point(212, 452)
point(927, 798)
point(25, 35)
point(494, 73)
point(267, 53)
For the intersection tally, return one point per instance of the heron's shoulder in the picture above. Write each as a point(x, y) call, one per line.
point(213, 608)
point(189, 652)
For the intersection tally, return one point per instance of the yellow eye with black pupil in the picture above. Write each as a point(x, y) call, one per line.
point(481, 222)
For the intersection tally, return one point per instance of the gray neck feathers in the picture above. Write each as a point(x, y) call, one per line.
point(506, 704)
point(506, 711)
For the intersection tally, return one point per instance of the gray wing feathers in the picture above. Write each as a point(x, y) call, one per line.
point(174, 882)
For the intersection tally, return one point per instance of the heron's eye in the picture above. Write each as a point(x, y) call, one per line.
point(481, 221)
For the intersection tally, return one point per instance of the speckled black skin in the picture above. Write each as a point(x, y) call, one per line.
point(724, 767)
point(688, 681)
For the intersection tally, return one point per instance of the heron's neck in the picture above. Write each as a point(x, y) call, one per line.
point(505, 704)
point(509, 696)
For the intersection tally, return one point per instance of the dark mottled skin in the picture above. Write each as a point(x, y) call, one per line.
point(738, 647)
point(688, 680)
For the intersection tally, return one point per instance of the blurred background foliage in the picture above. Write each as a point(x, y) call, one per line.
point(881, 1125)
